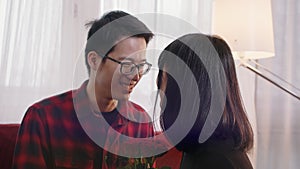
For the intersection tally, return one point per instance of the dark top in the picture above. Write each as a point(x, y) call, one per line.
point(110, 117)
point(216, 154)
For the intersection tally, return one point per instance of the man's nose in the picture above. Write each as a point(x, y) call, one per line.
point(135, 76)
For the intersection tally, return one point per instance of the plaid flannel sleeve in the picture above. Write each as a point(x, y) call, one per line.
point(31, 145)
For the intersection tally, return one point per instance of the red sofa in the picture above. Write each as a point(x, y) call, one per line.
point(8, 134)
point(171, 159)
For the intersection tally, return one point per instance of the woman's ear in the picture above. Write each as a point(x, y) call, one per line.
point(93, 60)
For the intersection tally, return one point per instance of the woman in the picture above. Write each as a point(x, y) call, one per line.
point(202, 109)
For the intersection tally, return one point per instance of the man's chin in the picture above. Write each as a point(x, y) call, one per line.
point(124, 97)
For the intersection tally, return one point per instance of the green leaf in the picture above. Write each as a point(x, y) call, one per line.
point(165, 167)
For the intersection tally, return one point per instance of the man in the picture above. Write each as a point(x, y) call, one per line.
point(76, 129)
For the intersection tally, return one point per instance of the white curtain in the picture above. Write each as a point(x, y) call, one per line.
point(30, 45)
point(40, 45)
point(278, 113)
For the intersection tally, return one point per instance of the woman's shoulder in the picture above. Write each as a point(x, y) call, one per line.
point(216, 160)
point(216, 155)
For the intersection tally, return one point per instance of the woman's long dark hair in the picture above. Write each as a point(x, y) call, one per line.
point(234, 122)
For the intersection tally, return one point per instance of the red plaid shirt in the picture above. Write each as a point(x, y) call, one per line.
point(53, 133)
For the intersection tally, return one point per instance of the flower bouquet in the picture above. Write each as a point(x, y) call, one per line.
point(141, 154)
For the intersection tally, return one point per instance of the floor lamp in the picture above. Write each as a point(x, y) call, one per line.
point(248, 28)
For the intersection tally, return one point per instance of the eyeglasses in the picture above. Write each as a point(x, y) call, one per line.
point(128, 68)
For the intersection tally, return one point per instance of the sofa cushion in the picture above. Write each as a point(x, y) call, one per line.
point(171, 159)
point(8, 134)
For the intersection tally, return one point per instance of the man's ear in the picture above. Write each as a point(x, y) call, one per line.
point(94, 60)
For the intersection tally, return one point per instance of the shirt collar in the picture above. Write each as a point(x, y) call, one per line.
point(83, 109)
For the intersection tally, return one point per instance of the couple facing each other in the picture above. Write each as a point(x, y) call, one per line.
point(197, 76)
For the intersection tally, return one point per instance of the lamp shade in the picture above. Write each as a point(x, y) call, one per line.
point(246, 25)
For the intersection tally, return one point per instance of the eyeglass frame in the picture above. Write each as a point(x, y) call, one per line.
point(136, 66)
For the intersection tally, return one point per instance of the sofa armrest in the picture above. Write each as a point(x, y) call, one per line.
point(171, 159)
point(8, 135)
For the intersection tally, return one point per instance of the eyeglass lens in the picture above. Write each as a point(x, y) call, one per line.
point(129, 68)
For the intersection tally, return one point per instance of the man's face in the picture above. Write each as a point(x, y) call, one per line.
point(110, 82)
